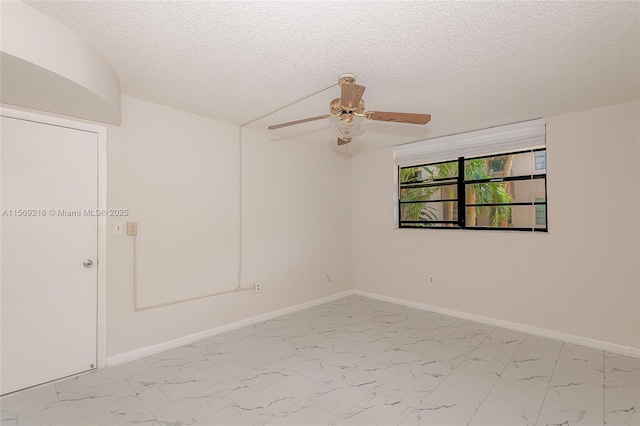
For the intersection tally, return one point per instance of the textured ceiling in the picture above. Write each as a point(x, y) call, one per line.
point(469, 64)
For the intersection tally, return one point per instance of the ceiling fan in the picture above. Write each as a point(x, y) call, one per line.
point(350, 106)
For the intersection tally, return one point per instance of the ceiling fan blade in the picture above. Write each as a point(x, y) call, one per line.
point(343, 141)
point(292, 123)
point(351, 95)
point(398, 117)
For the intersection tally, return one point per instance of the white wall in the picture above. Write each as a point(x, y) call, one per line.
point(582, 278)
point(46, 67)
point(177, 173)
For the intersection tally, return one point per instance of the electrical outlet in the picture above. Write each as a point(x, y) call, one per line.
point(132, 228)
point(257, 287)
point(432, 280)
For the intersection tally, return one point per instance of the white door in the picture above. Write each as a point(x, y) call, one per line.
point(48, 187)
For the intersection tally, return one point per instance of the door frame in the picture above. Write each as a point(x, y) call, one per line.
point(101, 264)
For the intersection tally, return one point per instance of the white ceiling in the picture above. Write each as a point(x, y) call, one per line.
point(469, 64)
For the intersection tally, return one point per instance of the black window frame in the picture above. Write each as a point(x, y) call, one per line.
point(460, 200)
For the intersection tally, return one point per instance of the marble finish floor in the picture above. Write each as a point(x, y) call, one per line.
point(354, 361)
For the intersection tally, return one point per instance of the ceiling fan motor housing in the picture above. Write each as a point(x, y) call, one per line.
point(346, 78)
point(336, 107)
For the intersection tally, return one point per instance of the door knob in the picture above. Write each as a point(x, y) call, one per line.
point(88, 263)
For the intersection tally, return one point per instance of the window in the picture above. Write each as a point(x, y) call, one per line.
point(497, 166)
point(503, 190)
point(541, 160)
point(541, 212)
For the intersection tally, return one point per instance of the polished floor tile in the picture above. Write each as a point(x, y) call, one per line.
point(304, 412)
point(621, 390)
point(354, 361)
point(346, 391)
point(518, 395)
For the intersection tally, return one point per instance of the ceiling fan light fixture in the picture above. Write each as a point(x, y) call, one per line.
point(347, 130)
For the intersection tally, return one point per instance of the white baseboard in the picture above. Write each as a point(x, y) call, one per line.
point(537, 331)
point(185, 340)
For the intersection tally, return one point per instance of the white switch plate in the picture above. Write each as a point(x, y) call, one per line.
point(118, 228)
